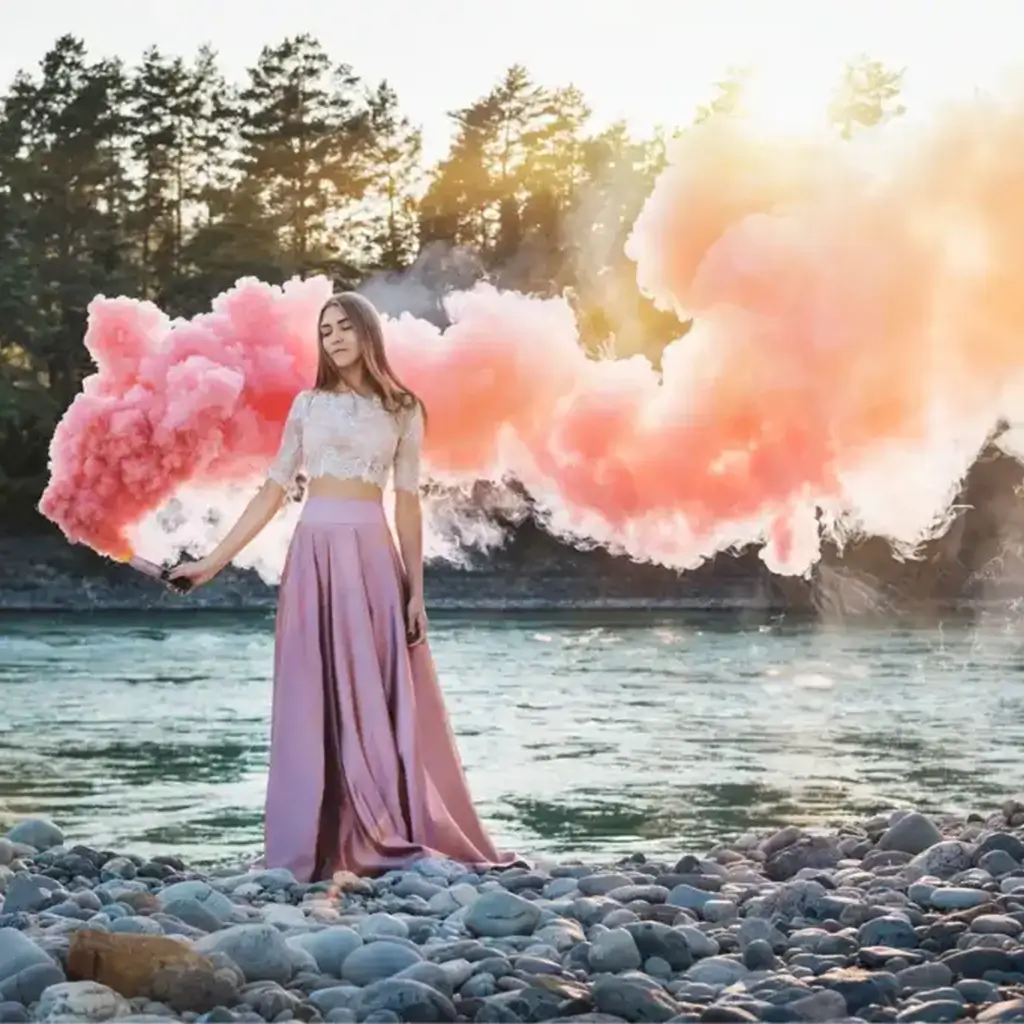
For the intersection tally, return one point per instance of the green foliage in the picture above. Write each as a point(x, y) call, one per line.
point(165, 182)
point(868, 95)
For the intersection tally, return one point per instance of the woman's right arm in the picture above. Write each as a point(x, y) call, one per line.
point(263, 507)
point(260, 510)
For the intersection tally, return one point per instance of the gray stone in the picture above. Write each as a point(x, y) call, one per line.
point(975, 990)
point(654, 939)
point(204, 894)
point(443, 903)
point(559, 887)
point(1006, 842)
point(409, 1000)
point(976, 963)
point(614, 951)
point(412, 883)
point(118, 867)
point(936, 1011)
point(259, 950)
point(701, 945)
point(600, 884)
point(921, 977)
point(646, 893)
point(193, 913)
point(759, 956)
point(945, 859)
point(890, 930)
point(781, 839)
point(499, 914)
point(632, 998)
point(823, 1005)
point(996, 924)
point(957, 898)
point(719, 910)
point(480, 986)
point(688, 897)
point(920, 892)
point(562, 935)
point(329, 947)
point(441, 977)
point(24, 894)
point(341, 1015)
point(81, 1001)
point(136, 925)
point(269, 1000)
point(717, 970)
point(40, 833)
point(817, 852)
point(801, 897)
point(1008, 1009)
point(878, 858)
point(29, 983)
point(998, 863)
point(378, 960)
point(657, 968)
point(18, 951)
point(382, 926)
point(913, 833)
point(944, 992)
point(336, 997)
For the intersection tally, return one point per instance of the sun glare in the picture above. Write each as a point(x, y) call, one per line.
point(785, 100)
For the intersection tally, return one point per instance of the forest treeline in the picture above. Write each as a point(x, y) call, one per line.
point(165, 181)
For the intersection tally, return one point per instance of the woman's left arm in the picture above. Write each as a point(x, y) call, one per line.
point(409, 519)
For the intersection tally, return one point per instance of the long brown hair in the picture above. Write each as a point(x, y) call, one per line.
point(363, 316)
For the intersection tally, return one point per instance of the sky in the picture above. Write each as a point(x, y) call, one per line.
point(648, 61)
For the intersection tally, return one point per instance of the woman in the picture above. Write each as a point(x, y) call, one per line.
point(364, 772)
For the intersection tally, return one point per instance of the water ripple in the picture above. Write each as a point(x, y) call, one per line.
point(579, 732)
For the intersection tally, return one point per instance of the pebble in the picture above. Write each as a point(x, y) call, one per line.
point(956, 898)
point(377, 961)
point(906, 917)
point(913, 833)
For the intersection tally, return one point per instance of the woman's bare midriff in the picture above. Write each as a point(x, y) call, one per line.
point(336, 487)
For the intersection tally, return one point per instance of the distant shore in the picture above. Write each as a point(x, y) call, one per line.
point(44, 573)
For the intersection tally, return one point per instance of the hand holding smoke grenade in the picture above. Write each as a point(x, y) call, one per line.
point(160, 572)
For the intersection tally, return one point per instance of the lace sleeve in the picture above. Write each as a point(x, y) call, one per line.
point(288, 460)
point(407, 454)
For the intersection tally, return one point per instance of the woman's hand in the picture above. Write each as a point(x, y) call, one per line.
point(416, 621)
point(197, 573)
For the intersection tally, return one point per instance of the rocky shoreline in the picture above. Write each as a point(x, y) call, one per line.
point(896, 918)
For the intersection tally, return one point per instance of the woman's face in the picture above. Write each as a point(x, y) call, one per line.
point(339, 339)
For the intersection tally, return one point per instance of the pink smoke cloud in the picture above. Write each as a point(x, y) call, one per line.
point(856, 333)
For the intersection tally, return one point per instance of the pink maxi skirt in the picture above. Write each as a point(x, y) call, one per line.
point(364, 771)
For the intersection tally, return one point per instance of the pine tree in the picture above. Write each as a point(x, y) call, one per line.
point(304, 131)
point(67, 133)
point(514, 166)
point(395, 176)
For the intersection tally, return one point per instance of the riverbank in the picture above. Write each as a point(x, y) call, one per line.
point(977, 563)
point(42, 572)
point(899, 917)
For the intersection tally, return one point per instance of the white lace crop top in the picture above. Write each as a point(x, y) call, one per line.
point(351, 437)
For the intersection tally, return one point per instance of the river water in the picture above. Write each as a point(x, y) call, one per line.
point(582, 733)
